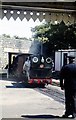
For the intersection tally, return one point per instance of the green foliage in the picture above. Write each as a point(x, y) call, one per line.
point(15, 36)
point(59, 36)
point(6, 36)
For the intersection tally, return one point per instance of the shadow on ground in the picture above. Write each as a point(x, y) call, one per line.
point(40, 116)
point(24, 85)
point(20, 83)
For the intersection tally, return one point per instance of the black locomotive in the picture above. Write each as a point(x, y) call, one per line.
point(41, 65)
point(40, 69)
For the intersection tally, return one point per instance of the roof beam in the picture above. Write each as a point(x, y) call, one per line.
point(52, 11)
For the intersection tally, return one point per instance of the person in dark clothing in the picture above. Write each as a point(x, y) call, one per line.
point(68, 83)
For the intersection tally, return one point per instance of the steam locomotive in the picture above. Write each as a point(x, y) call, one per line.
point(40, 70)
point(41, 65)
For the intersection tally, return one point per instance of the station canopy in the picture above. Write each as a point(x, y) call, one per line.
point(50, 11)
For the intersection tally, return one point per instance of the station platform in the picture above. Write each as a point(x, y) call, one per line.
point(19, 103)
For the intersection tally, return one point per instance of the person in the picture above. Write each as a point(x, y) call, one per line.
point(26, 67)
point(68, 84)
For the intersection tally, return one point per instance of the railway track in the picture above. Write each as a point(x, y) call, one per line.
point(53, 92)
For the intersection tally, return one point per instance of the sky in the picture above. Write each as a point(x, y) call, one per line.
point(18, 27)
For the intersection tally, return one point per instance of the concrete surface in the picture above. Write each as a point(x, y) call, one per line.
point(21, 102)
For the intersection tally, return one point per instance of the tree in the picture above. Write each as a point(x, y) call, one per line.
point(70, 36)
point(6, 36)
point(59, 36)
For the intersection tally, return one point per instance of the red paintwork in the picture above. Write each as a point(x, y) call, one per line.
point(39, 81)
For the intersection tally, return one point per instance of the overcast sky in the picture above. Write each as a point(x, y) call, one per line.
point(18, 27)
